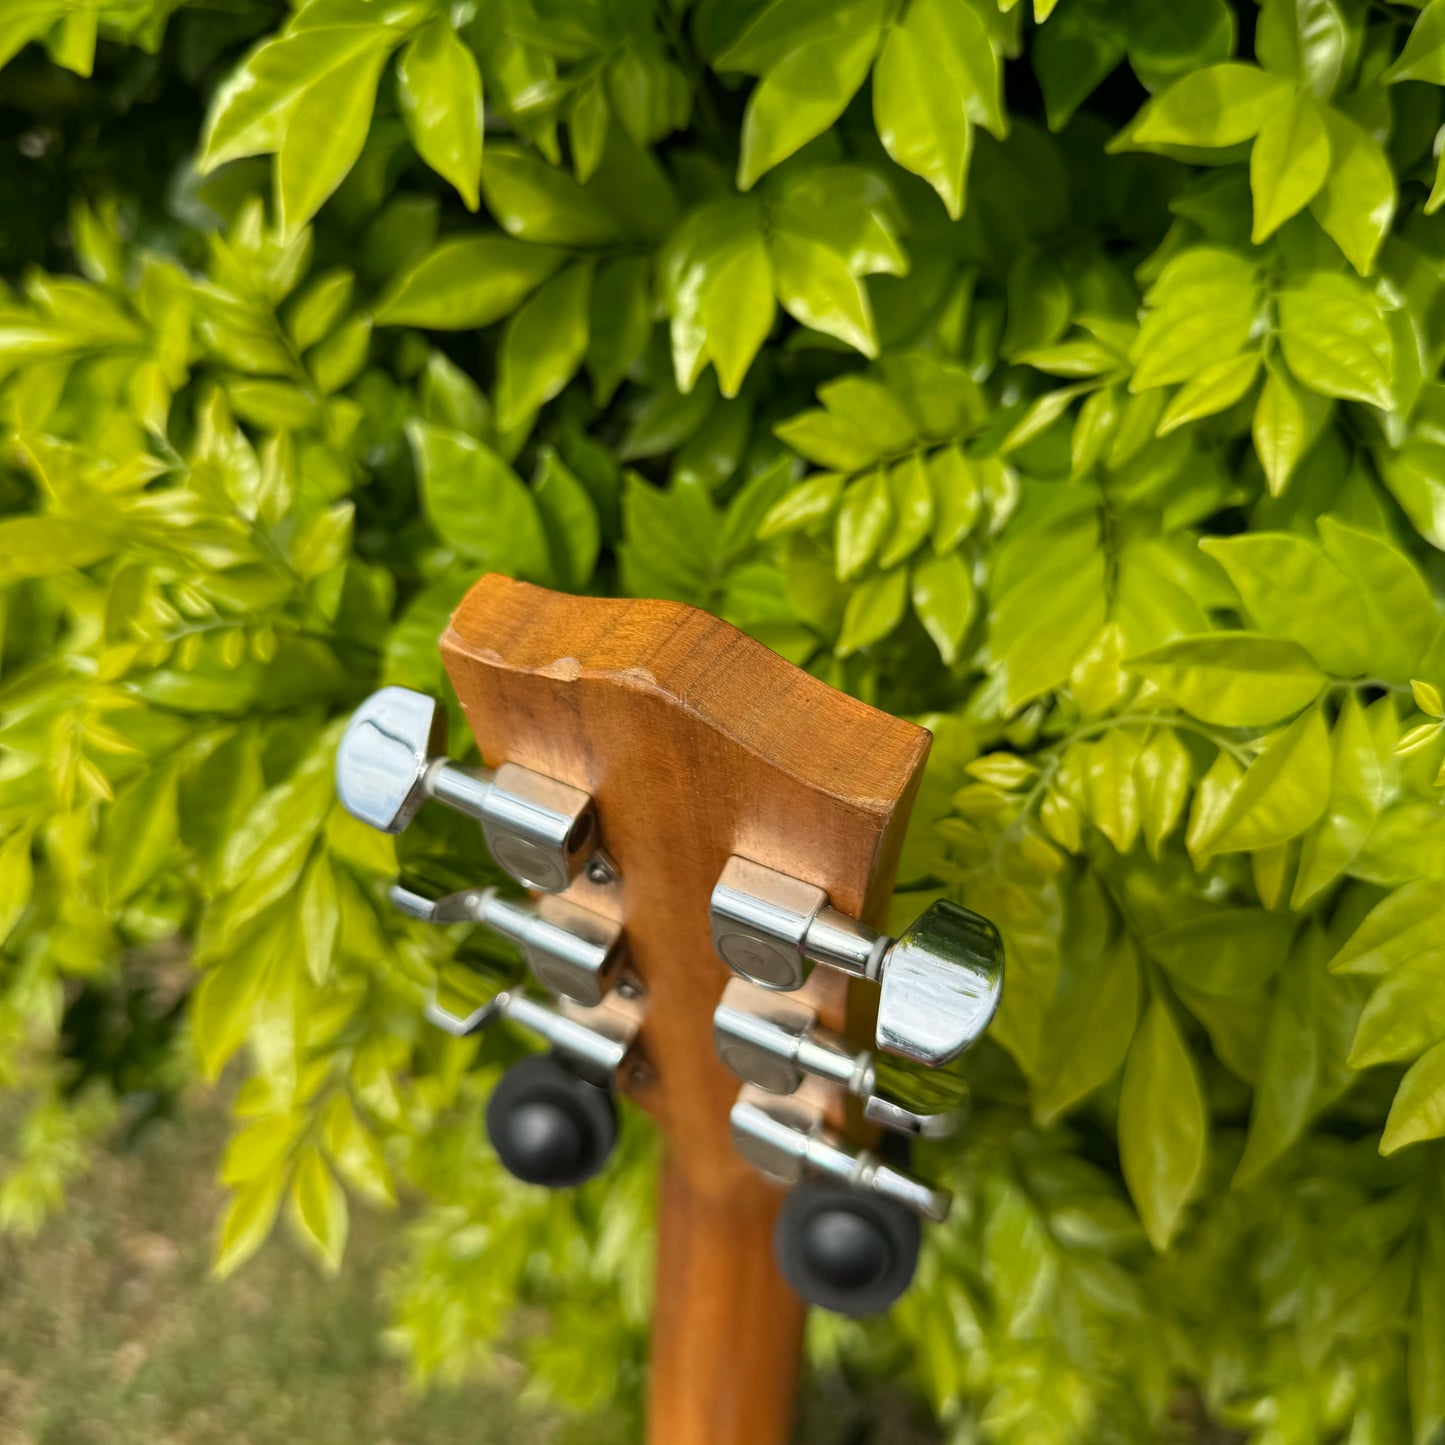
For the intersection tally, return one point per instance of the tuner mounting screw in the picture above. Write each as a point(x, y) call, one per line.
point(600, 871)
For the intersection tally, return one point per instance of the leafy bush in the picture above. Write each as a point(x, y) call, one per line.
point(1067, 379)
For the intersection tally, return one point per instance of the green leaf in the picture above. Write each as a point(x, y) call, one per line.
point(1416, 476)
point(1291, 589)
point(912, 499)
point(1357, 202)
point(937, 76)
point(317, 310)
point(1302, 1068)
point(1224, 953)
point(863, 522)
point(875, 607)
point(620, 323)
point(806, 91)
point(1210, 390)
point(1218, 106)
point(319, 916)
point(325, 132)
point(253, 109)
point(1397, 930)
point(1335, 338)
point(468, 283)
point(1358, 785)
point(1280, 794)
point(477, 504)
point(1418, 1112)
point(808, 504)
point(944, 600)
point(17, 876)
point(1396, 605)
point(1281, 427)
point(1163, 1125)
point(246, 1223)
point(1235, 679)
point(318, 1209)
point(543, 345)
point(141, 830)
point(569, 516)
point(537, 202)
point(957, 497)
point(1423, 57)
point(439, 92)
point(920, 115)
point(1164, 772)
point(1426, 1371)
point(1096, 1016)
point(1288, 165)
point(43, 546)
point(816, 287)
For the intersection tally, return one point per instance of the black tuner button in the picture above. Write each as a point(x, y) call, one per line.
point(843, 1250)
point(548, 1126)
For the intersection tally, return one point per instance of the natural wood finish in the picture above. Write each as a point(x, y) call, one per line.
point(696, 742)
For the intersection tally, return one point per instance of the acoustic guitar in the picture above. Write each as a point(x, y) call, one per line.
point(709, 837)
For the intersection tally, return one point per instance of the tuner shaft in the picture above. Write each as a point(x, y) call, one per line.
point(571, 950)
point(772, 1041)
point(786, 1140)
point(594, 1041)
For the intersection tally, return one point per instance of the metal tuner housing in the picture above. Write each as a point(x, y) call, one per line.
point(392, 758)
point(939, 981)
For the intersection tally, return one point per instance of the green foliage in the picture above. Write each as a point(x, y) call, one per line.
point(1065, 376)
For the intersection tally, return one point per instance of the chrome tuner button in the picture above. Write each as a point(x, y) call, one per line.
point(940, 982)
point(391, 759)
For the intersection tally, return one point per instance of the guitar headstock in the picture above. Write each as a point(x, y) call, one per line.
point(707, 822)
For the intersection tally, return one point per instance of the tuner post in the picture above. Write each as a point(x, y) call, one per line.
point(939, 981)
point(392, 759)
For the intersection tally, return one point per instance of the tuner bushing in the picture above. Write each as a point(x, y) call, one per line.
point(548, 1126)
point(844, 1250)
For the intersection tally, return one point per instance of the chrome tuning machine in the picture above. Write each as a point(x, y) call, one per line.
point(392, 759)
point(775, 1042)
point(939, 981)
point(847, 1236)
point(570, 949)
point(553, 1117)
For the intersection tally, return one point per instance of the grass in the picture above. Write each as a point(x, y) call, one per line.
point(113, 1333)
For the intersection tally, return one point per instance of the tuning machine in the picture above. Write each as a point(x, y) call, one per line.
point(939, 981)
point(774, 1041)
point(848, 1234)
point(392, 759)
point(570, 949)
point(553, 1117)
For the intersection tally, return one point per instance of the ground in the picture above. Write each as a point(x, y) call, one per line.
point(113, 1333)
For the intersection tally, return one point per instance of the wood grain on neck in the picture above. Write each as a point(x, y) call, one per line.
point(696, 743)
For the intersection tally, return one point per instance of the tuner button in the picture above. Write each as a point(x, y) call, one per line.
point(843, 1250)
point(382, 761)
point(548, 1126)
point(939, 985)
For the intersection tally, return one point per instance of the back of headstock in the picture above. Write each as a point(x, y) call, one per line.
point(688, 796)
